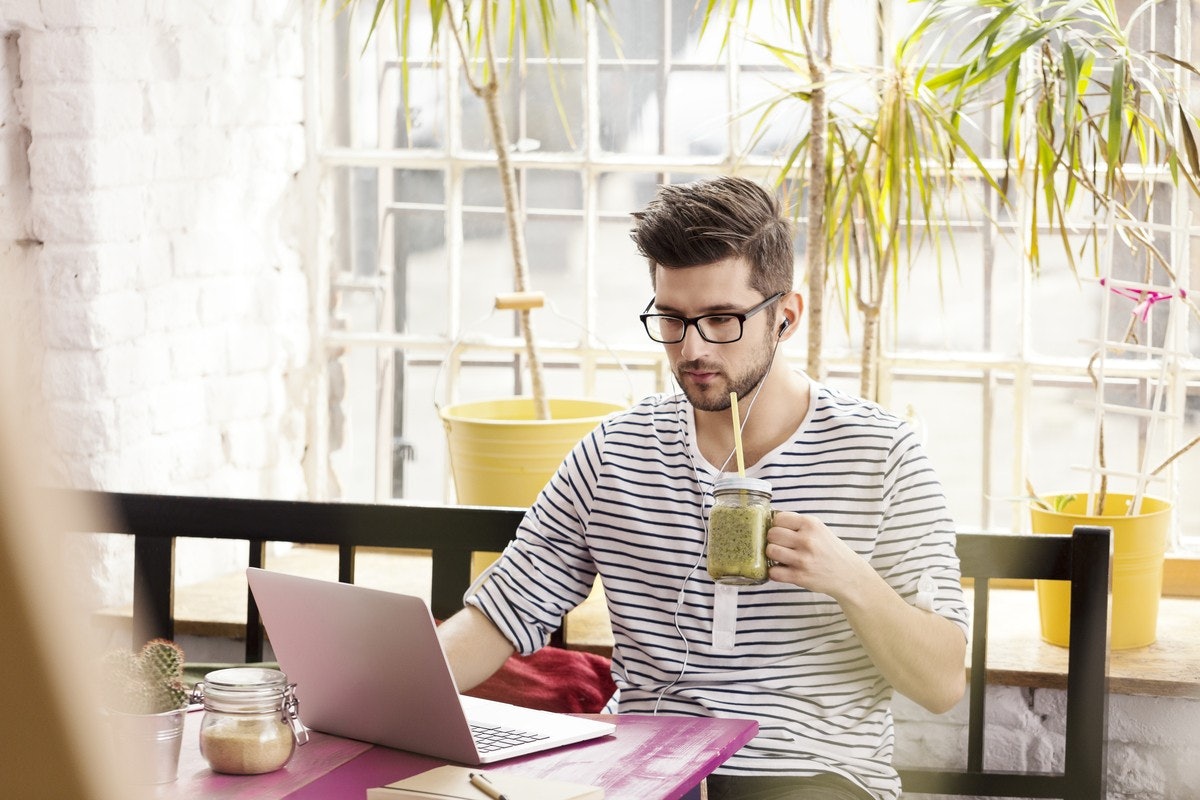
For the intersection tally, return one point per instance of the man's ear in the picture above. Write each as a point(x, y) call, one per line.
point(792, 301)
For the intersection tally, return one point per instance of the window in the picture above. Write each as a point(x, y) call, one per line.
point(990, 359)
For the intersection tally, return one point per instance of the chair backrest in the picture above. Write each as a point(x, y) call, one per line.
point(454, 533)
point(1083, 558)
point(451, 533)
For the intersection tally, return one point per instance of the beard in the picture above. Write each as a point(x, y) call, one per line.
point(714, 394)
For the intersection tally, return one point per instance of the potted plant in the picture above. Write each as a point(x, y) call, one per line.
point(502, 451)
point(1099, 104)
point(145, 700)
point(1074, 114)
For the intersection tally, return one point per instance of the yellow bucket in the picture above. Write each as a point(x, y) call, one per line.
point(501, 455)
point(1139, 546)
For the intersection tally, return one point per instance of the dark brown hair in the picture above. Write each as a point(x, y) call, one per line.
point(698, 223)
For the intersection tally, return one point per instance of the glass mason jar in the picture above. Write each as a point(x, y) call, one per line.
point(737, 531)
point(251, 720)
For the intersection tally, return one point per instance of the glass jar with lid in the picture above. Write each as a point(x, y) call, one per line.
point(251, 720)
point(737, 531)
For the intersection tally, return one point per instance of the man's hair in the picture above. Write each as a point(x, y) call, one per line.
point(698, 223)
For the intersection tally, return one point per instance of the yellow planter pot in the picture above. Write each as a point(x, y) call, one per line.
point(1139, 546)
point(502, 456)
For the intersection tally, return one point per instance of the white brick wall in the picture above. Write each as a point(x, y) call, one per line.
point(18, 251)
point(148, 161)
point(1153, 744)
point(159, 148)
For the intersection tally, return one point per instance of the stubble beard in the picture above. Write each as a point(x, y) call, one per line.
point(716, 396)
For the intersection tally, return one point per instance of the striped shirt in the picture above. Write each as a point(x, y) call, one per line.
point(630, 503)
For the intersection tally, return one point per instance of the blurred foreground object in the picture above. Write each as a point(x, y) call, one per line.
point(51, 742)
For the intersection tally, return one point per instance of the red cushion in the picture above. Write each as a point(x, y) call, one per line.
point(552, 679)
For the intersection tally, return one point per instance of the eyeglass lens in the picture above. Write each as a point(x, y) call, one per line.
point(718, 329)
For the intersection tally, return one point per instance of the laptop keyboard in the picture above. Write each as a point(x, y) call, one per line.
point(489, 738)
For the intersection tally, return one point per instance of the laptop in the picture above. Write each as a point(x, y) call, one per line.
point(368, 665)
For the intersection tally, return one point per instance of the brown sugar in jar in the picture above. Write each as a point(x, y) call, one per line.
point(251, 722)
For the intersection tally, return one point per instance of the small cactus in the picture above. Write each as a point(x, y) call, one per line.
point(148, 682)
point(162, 660)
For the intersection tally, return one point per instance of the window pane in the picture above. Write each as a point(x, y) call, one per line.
point(629, 110)
point(424, 125)
point(353, 434)
point(949, 439)
point(1060, 436)
point(1187, 473)
point(421, 272)
point(696, 114)
point(772, 123)
point(637, 29)
point(422, 473)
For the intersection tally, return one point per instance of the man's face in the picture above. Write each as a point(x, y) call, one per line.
point(708, 372)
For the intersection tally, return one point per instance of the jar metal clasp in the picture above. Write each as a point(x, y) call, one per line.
point(291, 714)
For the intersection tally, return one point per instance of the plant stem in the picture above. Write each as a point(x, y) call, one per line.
point(815, 242)
point(1175, 455)
point(1100, 457)
point(869, 360)
point(1034, 497)
point(489, 92)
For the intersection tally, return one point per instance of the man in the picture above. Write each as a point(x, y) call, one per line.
point(863, 595)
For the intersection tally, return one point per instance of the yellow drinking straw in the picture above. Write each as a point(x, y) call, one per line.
point(737, 435)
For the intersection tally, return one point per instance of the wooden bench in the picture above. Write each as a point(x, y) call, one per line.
point(454, 533)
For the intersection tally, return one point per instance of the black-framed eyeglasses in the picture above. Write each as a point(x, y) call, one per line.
point(723, 328)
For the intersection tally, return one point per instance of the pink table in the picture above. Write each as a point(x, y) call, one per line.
point(648, 758)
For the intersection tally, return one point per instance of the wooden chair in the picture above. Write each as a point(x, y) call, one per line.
point(1084, 559)
point(451, 533)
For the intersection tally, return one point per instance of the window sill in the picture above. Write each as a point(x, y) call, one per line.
point(1181, 576)
point(1170, 667)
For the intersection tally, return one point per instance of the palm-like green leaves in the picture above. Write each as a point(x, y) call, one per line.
point(1084, 116)
point(1087, 115)
point(893, 183)
point(892, 175)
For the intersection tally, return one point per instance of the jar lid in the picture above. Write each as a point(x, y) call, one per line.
point(730, 483)
point(246, 679)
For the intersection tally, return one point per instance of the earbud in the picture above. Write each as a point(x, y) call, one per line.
point(783, 327)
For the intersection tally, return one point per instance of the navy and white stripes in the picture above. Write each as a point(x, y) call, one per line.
point(629, 505)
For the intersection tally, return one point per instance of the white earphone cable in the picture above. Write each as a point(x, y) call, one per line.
point(704, 500)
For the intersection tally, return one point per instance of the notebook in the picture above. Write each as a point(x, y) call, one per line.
point(368, 665)
point(467, 783)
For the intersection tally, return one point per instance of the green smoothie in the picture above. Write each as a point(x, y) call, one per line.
point(737, 540)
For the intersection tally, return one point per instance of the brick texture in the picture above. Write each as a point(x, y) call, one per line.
point(147, 173)
point(1152, 750)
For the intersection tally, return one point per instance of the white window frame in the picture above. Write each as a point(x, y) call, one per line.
point(1022, 370)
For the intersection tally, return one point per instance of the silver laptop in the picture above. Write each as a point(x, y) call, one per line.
point(368, 665)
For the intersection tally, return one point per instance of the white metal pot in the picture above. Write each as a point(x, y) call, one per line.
point(147, 745)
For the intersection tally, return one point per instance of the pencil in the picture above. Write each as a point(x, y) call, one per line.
point(481, 782)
